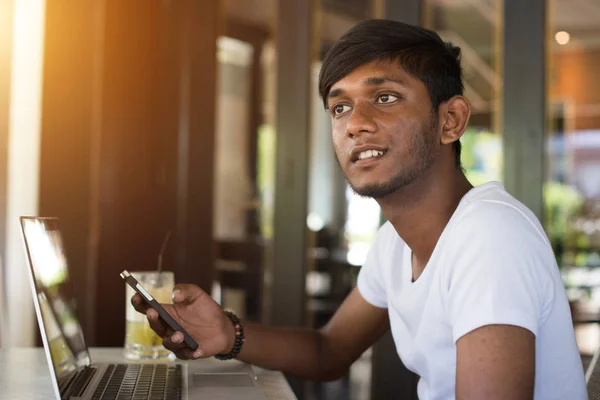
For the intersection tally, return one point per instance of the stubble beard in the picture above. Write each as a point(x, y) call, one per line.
point(423, 152)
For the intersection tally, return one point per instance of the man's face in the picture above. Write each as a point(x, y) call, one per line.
point(383, 128)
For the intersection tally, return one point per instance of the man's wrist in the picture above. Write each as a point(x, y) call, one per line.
point(230, 335)
point(235, 344)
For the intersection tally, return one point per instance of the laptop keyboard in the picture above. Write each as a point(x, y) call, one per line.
point(140, 382)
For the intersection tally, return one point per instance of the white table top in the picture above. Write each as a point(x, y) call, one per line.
point(24, 374)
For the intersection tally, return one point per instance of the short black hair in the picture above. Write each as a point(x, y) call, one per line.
point(421, 53)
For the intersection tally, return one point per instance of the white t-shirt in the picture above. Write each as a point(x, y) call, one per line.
point(493, 264)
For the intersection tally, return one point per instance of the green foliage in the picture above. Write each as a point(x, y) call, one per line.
point(266, 178)
point(481, 156)
point(561, 203)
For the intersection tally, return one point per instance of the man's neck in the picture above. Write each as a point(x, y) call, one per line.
point(420, 211)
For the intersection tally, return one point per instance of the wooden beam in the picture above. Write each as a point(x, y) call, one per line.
point(524, 110)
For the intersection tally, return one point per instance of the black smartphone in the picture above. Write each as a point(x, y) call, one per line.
point(131, 281)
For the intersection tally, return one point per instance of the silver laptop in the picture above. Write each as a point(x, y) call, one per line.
point(74, 374)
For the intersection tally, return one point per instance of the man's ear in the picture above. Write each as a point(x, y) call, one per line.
point(454, 116)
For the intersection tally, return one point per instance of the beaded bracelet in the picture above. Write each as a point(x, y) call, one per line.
point(239, 338)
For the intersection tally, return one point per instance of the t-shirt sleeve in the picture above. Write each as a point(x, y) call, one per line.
point(499, 271)
point(370, 281)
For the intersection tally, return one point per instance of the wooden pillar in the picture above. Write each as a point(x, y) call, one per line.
point(524, 116)
point(158, 143)
point(71, 96)
point(127, 145)
point(294, 56)
point(291, 175)
point(195, 28)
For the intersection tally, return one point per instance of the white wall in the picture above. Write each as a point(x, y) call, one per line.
point(23, 163)
point(6, 34)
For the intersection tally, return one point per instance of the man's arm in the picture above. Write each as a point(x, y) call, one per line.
point(495, 362)
point(325, 354)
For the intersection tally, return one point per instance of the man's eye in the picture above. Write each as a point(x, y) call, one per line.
point(386, 98)
point(340, 109)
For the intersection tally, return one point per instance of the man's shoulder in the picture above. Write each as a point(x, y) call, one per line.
point(493, 213)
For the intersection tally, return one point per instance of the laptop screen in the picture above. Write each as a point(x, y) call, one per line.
point(61, 331)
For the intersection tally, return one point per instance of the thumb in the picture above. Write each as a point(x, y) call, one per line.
point(186, 293)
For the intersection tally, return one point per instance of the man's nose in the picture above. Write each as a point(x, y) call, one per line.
point(361, 120)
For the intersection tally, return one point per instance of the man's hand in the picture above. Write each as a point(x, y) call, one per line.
point(495, 362)
point(323, 354)
point(199, 315)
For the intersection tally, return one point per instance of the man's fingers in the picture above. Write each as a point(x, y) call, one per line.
point(181, 351)
point(174, 341)
point(187, 354)
point(175, 344)
point(139, 304)
point(156, 323)
point(182, 354)
point(177, 338)
point(186, 293)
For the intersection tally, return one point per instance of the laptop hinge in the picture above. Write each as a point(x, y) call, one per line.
point(65, 383)
point(76, 387)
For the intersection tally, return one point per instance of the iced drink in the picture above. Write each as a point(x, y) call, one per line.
point(141, 343)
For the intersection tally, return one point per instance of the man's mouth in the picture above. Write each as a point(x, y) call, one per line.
point(367, 156)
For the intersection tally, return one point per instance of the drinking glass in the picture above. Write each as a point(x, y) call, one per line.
point(141, 342)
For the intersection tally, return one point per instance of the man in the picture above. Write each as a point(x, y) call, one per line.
point(464, 277)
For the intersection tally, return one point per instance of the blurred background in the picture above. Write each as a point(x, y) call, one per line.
point(129, 119)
